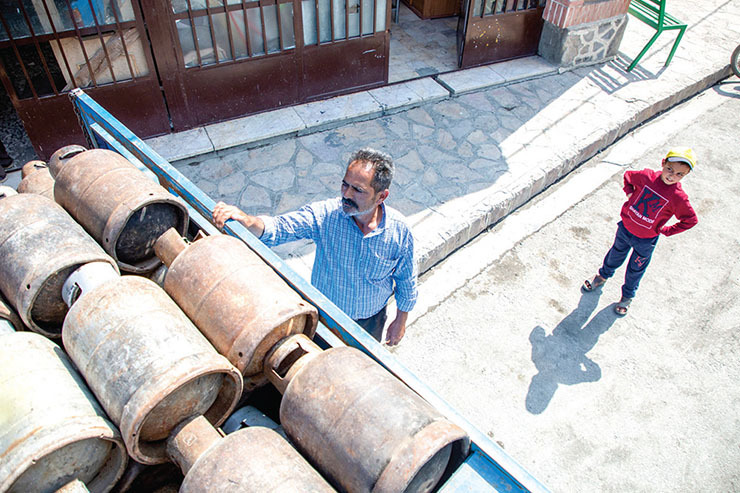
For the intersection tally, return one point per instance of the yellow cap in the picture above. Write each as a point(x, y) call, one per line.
point(682, 155)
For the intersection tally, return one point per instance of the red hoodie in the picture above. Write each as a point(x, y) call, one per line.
point(653, 203)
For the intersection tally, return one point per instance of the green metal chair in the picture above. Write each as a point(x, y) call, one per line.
point(652, 13)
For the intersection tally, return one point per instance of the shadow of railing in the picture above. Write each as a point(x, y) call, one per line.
point(613, 76)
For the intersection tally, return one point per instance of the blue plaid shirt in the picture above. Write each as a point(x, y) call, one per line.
point(355, 272)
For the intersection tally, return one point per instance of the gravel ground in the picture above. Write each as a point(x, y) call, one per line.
point(12, 133)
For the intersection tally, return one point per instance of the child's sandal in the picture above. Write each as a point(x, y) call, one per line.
point(589, 286)
point(623, 306)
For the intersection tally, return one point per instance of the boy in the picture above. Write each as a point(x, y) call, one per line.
point(653, 197)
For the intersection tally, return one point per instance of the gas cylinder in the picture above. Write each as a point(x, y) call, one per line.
point(251, 459)
point(60, 157)
point(144, 359)
point(52, 430)
point(35, 178)
point(40, 245)
point(239, 303)
point(119, 206)
point(359, 425)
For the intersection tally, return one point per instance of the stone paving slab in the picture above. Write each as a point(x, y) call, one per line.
point(524, 68)
point(428, 89)
point(182, 145)
point(486, 76)
point(255, 129)
point(473, 79)
point(407, 95)
point(340, 109)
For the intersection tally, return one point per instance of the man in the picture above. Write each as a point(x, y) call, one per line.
point(364, 249)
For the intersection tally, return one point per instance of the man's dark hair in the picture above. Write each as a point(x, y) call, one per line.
point(381, 163)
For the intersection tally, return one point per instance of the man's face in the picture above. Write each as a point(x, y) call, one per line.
point(358, 195)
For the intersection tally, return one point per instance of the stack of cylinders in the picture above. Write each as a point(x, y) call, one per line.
point(361, 426)
point(52, 430)
point(239, 303)
point(252, 459)
point(37, 179)
point(147, 363)
point(40, 245)
point(118, 205)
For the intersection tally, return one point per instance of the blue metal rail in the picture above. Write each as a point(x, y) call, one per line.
point(488, 468)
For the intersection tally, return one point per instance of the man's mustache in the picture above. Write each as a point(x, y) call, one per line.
point(349, 203)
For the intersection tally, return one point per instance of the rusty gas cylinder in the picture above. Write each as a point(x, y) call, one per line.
point(60, 157)
point(36, 179)
point(52, 430)
point(119, 206)
point(251, 459)
point(40, 245)
point(146, 362)
point(239, 303)
point(361, 426)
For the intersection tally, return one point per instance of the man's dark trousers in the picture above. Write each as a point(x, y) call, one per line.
point(374, 325)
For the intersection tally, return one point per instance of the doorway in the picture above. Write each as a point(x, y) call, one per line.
point(486, 31)
point(421, 47)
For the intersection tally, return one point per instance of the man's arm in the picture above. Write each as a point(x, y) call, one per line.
point(397, 328)
point(223, 212)
point(405, 293)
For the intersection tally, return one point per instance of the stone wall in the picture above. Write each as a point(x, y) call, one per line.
point(582, 31)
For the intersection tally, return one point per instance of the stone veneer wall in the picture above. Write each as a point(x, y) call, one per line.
point(582, 31)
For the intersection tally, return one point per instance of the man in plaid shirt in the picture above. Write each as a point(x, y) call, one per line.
point(364, 249)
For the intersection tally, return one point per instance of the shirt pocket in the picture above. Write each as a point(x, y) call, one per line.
point(379, 270)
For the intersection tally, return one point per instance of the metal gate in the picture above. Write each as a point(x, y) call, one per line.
point(494, 30)
point(169, 65)
point(238, 57)
point(48, 47)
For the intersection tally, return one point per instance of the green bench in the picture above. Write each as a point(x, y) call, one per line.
point(652, 13)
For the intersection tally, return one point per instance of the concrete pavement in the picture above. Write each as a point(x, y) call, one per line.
point(470, 146)
point(582, 399)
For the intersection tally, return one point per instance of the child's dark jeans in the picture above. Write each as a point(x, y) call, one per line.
point(642, 251)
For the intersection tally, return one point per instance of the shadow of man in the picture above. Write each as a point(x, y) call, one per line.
point(560, 357)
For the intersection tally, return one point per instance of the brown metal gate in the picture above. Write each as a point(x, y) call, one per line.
point(219, 60)
point(48, 47)
point(494, 30)
point(164, 65)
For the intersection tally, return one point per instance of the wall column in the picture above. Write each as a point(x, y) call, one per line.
point(578, 32)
